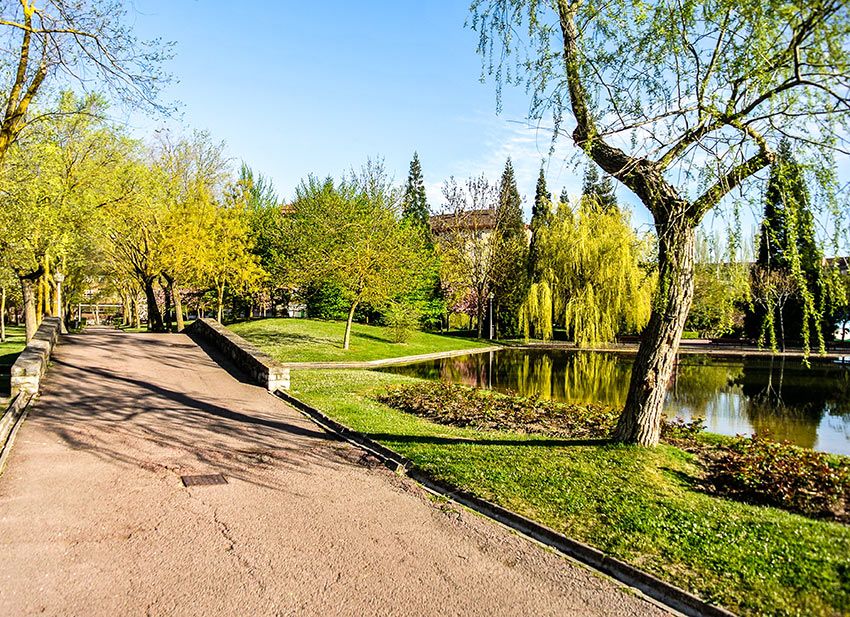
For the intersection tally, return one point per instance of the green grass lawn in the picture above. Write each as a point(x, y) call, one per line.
point(14, 345)
point(9, 351)
point(311, 340)
point(641, 505)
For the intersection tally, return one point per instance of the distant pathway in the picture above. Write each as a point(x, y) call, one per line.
point(367, 364)
point(94, 519)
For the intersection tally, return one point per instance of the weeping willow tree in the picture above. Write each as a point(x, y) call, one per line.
point(592, 281)
point(683, 103)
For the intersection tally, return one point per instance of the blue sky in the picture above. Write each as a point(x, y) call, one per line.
point(296, 87)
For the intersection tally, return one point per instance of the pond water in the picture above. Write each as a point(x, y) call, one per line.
point(734, 394)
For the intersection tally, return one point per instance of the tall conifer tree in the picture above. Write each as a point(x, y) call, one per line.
point(415, 201)
point(510, 257)
point(541, 215)
point(599, 187)
point(787, 244)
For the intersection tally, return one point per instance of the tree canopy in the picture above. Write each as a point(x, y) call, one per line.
point(592, 280)
point(698, 110)
point(69, 41)
point(350, 234)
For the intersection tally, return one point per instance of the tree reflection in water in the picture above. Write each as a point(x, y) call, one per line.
point(807, 406)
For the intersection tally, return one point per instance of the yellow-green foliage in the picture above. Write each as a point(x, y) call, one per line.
point(592, 276)
point(535, 313)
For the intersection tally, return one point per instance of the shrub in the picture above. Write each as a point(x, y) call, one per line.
point(401, 319)
point(458, 405)
point(780, 474)
point(677, 430)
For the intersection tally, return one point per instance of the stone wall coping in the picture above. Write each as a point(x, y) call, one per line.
point(258, 365)
point(29, 368)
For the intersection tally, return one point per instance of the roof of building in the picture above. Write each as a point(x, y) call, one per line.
point(480, 220)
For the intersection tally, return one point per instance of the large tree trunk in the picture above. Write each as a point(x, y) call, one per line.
point(39, 301)
point(30, 311)
point(167, 313)
point(126, 309)
point(640, 421)
point(3, 314)
point(137, 315)
point(346, 339)
point(154, 316)
point(219, 302)
point(178, 308)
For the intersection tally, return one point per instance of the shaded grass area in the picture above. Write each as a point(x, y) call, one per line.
point(311, 340)
point(15, 342)
point(641, 505)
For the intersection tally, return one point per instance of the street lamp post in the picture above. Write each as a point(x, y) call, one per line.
point(490, 299)
point(59, 278)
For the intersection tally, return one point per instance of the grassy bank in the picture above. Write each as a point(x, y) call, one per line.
point(641, 505)
point(13, 346)
point(311, 340)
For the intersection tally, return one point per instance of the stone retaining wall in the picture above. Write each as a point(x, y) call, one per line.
point(30, 366)
point(9, 421)
point(258, 365)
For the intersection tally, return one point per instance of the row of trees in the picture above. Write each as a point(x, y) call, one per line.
point(120, 217)
point(698, 112)
point(682, 115)
point(788, 290)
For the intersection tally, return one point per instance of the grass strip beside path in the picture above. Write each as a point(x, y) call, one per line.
point(312, 340)
point(15, 342)
point(640, 505)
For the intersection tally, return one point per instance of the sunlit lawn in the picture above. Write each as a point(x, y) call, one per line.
point(9, 352)
point(641, 505)
point(311, 340)
point(14, 345)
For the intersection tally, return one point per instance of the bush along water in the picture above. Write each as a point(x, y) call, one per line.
point(751, 469)
point(759, 470)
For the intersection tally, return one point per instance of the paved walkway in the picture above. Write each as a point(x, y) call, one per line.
point(94, 519)
point(367, 364)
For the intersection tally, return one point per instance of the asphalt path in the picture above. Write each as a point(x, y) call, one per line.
point(95, 519)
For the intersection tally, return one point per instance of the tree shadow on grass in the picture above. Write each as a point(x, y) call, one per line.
point(457, 441)
point(261, 339)
point(373, 337)
point(688, 481)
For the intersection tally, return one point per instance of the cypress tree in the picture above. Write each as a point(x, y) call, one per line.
point(541, 199)
point(509, 222)
point(601, 188)
point(541, 215)
point(510, 255)
point(564, 197)
point(787, 243)
point(415, 201)
point(415, 210)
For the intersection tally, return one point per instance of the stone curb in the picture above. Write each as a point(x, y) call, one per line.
point(29, 368)
point(258, 365)
point(11, 420)
point(651, 586)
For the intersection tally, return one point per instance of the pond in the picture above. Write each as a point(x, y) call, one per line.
point(734, 394)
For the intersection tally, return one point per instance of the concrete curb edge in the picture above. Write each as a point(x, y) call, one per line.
point(668, 595)
point(10, 422)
